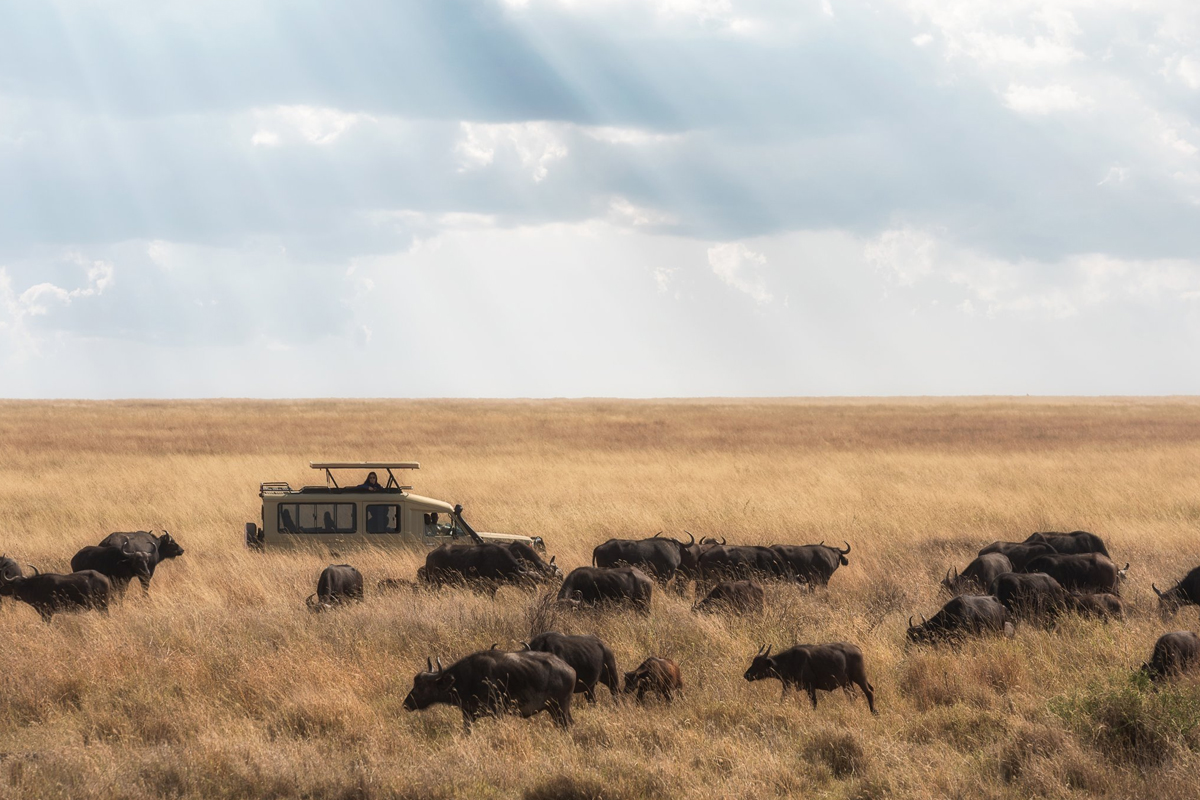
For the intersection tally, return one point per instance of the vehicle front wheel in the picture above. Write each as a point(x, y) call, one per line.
point(254, 537)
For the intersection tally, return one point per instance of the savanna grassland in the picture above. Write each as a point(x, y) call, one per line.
point(221, 685)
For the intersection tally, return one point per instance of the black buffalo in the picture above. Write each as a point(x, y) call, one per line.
point(492, 682)
point(592, 586)
point(339, 583)
point(1019, 553)
point(1174, 653)
point(487, 566)
point(813, 564)
point(1097, 604)
point(661, 558)
point(740, 596)
point(962, 616)
point(658, 675)
point(1084, 572)
point(810, 667)
point(119, 564)
point(731, 562)
point(50, 593)
point(531, 560)
point(9, 569)
point(591, 659)
point(1074, 543)
point(978, 575)
point(1029, 595)
point(1184, 593)
point(157, 548)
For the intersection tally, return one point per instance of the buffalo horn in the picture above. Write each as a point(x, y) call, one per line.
point(768, 650)
point(722, 541)
point(923, 620)
point(428, 664)
point(693, 538)
point(1156, 591)
point(910, 621)
point(308, 601)
point(439, 664)
point(35, 570)
point(845, 552)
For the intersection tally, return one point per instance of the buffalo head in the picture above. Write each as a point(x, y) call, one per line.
point(168, 547)
point(429, 687)
point(763, 666)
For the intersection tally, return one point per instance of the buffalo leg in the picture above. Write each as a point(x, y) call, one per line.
point(589, 692)
point(812, 695)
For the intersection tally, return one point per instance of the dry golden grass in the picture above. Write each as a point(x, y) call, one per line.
point(221, 685)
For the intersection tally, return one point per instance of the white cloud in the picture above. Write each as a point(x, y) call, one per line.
point(312, 124)
point(621, 211)
point(1172, 139)
point(907, 253)
point(1044, 99)
point(736, 264)
point(923, 39)
point(1188, 69)
point(633, 136)
point(1116, 174)
point(535, 144)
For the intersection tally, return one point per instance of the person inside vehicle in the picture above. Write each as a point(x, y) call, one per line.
point(371, 484)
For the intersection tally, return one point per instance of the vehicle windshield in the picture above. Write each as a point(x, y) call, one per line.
point(443, 525)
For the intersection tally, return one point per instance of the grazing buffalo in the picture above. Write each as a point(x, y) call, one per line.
point(1030, 594)
point(658, 675)
point(157, 548)
point(978, 575)
point(813, 564)
point(1184, 593)
point(1085, 572)
point(659, 557)
point(814, 666)
point(737, 596)
point(962, 616)
point(339, 583)
point(492, 682)
point(590, 586)
point(730, 562)
point(50, 593)
point(1075, 543)
point(531, 560)
point(591, 659)
point(1019, 553)
point(119, 564)
point(487, 566)
point(1174, 653)
point(1097, 604)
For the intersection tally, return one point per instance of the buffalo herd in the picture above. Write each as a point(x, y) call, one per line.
point(1008, 583)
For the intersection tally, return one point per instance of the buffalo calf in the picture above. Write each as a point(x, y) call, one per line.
point(736, 596)
point(659, 675)
point(1174, 653)
point(338, 584)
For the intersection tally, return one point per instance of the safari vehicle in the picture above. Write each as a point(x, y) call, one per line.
point(347, 516)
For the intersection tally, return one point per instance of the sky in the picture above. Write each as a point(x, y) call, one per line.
point(630, 198)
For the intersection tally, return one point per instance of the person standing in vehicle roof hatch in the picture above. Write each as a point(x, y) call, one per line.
point(371, 484)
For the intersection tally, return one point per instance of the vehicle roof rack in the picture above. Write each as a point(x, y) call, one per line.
point(388, 466)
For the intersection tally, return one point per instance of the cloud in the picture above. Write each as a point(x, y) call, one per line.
point(1044, 99)
point(313, 125)
point(737, 264)
point(536, 145)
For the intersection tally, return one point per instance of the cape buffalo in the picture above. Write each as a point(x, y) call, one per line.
point(595, 585)
point(1085, 572)
point(492, 682)
point(1174, 653)
point(810, 667)
point(531, 560)
point(1097, 604)
point(978, 575)
point(737, 596)
point(50, 593)
point(732, 562)
point(119, 564)
point(813, 564)
point(1030, 594)
point(1075, 543)
point(658, 675)
point(965, 615)
point(157, 548)
point(487, 566)
point(339, 583)
point(9, 569)
point(591, 659)
point(1184, 593)
point(1019, 553)
point(659, 557)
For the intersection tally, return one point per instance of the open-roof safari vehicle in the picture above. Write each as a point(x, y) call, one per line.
point(341, 516)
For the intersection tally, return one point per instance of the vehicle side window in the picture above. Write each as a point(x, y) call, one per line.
point(383, 518)
point(318, 518)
